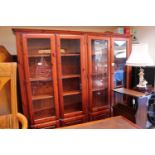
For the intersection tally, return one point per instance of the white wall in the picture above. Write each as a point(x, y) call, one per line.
point(7, 38)
point(146, 34)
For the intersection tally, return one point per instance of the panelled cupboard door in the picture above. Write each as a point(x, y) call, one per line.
point(99, 72)
point(72, 75)
point(41, 80)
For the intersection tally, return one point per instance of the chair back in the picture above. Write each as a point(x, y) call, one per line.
point(8, 95)
point(4, 55)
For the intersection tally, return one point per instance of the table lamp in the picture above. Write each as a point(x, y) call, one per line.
point(140, 57)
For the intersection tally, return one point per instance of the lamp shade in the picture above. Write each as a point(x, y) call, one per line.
point(139, 56)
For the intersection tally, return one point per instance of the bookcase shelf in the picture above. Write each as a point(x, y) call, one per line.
point(73, 92)
point(71, 76)
point(43, 113)
point(98, 89)
point(70, 54)
point(40, 79)
point(41, 97)
point(39, 55)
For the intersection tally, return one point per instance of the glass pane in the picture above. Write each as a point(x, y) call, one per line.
point(71, 74)
point(100, 98)
point(70, 46)
point(99, 82)
point(99, 72)
point(70, 65)
point(39, 54)
point(40, 69)
point(72, 103)
point(41, 88)
point(71, 84)
point(38, 46)
point(119, 61)
point(43, 108)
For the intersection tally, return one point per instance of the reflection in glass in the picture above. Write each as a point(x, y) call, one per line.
point(99, 72)
point(40, 69)
point(43, 108)
point(39, 54)
point(100, 98)
point(119, 61)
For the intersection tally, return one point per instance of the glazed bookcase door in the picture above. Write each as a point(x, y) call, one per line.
point(40, 67)
point(71, 74)
point(120, 73)
point(99, 77)
point(120, 52)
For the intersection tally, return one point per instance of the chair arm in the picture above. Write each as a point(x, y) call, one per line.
point(22, 119)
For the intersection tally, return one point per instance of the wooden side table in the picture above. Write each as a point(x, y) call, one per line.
point(142, 100)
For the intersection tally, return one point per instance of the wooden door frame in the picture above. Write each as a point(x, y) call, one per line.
point(91, 37)
point(83, 74)
point(128, 69)
point(27, 75)
point(21, 74)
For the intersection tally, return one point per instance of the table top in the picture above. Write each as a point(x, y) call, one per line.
point(130, 92)
point(117, 122)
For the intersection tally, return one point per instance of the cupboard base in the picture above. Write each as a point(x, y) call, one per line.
point(100, 115)
point(73, 120)
point(46, 125)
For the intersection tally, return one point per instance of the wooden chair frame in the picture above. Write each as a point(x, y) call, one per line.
point(8, 74)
